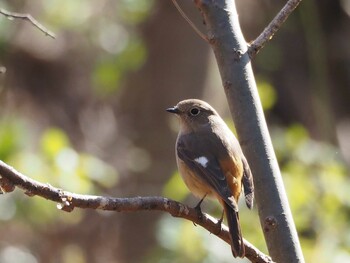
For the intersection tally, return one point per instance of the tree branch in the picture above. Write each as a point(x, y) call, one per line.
point(272, 28)
point(230, 49)
point(10, 178)
point(182, 13)
point(29, 18)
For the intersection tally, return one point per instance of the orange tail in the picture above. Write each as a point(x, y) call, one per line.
point(237, 246)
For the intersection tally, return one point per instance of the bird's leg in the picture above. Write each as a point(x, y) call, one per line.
point(198, 208)
point(219, 223)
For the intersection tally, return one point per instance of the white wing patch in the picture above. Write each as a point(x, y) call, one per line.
point(202, 161)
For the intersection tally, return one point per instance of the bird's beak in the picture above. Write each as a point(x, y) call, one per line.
point(173, 110)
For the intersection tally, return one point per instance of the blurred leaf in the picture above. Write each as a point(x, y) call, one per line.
point(182, 239)
point(134, 11)
point(97, 171)
point(66, 13)
point(109, 72)
point(296, 135)
point(11, 137)
point(60, 165)
point(106, 78)
point(188, 243)
point(28, 210)
point(53, 141)
point(133, 56)
point(317, 186)
point(32, 165)
point(175, 188)
point(112, 37)
point(67, 160)
point(267, 93)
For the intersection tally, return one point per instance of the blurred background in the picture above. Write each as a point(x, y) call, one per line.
point(86, 113)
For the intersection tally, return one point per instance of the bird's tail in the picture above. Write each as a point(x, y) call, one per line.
point(237, 245)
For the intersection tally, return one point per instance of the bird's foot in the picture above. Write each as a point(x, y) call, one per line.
point(199, 210)
point(219, 223)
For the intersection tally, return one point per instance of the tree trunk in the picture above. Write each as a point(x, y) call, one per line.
point(230, 50)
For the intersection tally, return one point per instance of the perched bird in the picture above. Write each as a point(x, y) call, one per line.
point(211, 162)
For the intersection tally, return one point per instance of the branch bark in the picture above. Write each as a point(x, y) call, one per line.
point(232, 56)
point(272, 28)
point(29, 18)
point(10, 178)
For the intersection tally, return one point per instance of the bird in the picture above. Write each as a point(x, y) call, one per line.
point(211, 163)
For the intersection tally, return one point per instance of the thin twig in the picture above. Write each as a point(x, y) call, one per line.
point(204, 37)
point(272, 28)
point(29, 18)
point(10, 178)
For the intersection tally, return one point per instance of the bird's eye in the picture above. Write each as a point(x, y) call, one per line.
point(194, 111)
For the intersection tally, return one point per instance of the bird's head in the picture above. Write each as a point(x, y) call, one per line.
point(194, 114)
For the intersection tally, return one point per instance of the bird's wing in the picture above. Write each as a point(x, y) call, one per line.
point(248, 183)
point(206, 166)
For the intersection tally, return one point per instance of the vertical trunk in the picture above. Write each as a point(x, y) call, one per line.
point(230, 50)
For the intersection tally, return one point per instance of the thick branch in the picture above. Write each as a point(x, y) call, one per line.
point(273, 27)
point(10, 178)
point(230, 48)
point(29, 18)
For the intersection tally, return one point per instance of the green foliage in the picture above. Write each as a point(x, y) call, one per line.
point(68, 14)
point(316, 181)
point(179, 242)
point(109, 71)
point(174, 188)
point(53, 161)
point(113, 34)
point(10, 137)
point(106, 78)
point(73, 14)
point(134, 11)
point(53, 141)
point(266, 92)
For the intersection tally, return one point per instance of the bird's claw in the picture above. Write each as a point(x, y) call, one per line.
point(198, 209)
point(219, 223)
